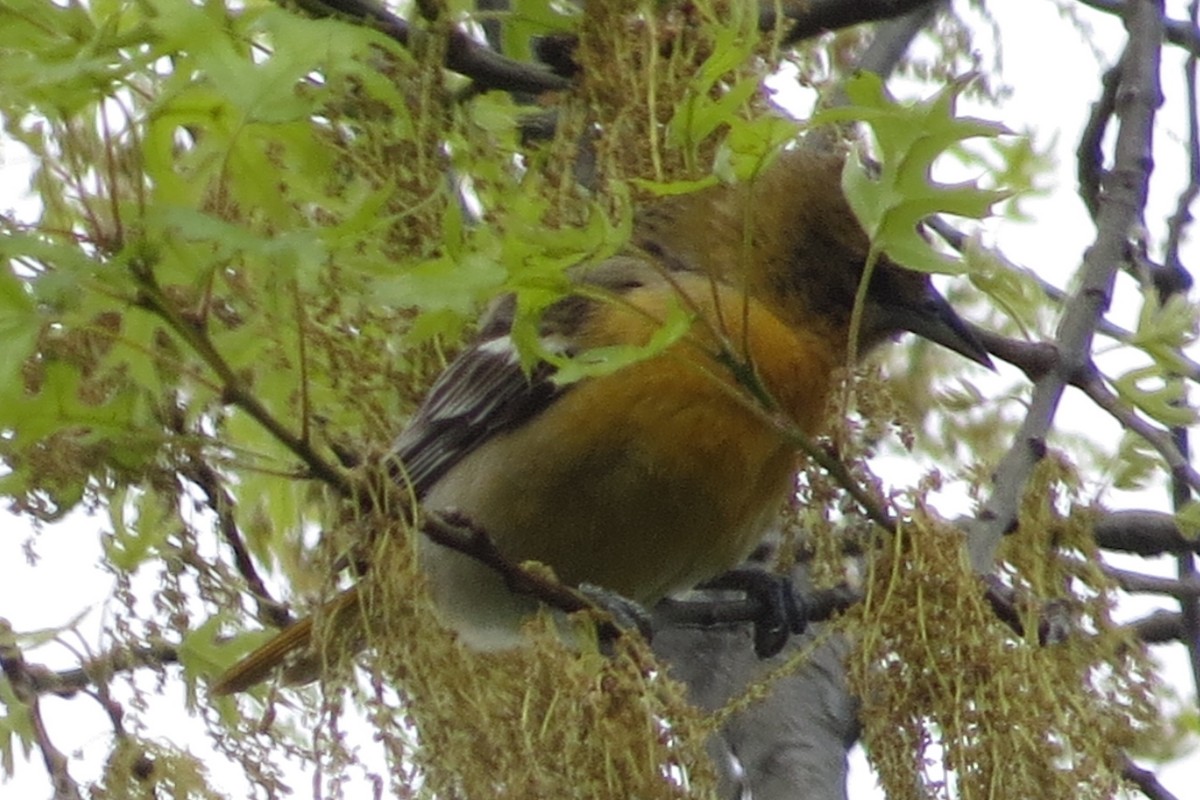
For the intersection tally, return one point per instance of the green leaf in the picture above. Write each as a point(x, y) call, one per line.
point(442, 283)
point(200, 652)
point(1013, 290)
point(60, 403)
point(20, 326)
point(751, 145)
point(1135, 463)
point(131, 544)
point(298, 254)
point(36, 638)
point(1188, 520)
point(714, 98)
point(16, 724)
point(1165, 331)
point(909, 137)
point(600, 361)
point(1165, 400)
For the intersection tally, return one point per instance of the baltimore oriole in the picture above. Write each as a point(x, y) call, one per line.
point(665, 472)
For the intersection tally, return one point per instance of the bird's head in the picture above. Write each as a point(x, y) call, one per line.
point(791, 239)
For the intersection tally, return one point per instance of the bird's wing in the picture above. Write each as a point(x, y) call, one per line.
point(486, 390)
point(483, 391)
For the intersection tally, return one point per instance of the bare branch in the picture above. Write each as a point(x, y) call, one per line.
point(1035, 359)
point(202, 474)
point(1176, 275)
point(1178, 32)
point(65, 683)
point(1161, 627)
point(1090, 153)
point(1146, 781)
point(1147, 533)
point(487, 68)
point(459, 533)
point(1121, 202)
point(1180, 588)
point(815, 17)
point(1161, 440)
point(491, 70)
point(1021, 354)
point(1172, 279)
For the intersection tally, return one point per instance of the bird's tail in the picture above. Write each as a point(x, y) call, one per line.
point(291, 651)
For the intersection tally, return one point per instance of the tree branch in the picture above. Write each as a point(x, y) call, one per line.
point(460, 533)
point(1176, 277)
point(1174, 280)
point(1146, 533)
point(67, 682)
point(491, 70)
point(233, 389)
point(202, 474)
point(1120, 205)
point(12, 662)
point(815, 17)
point(1161, 440)
point(1186, 588)
point(487, 68)
point(1042, 351)
point(1146, 781)
point(1180, 33)
point(1090, 153)
point(1161, 627)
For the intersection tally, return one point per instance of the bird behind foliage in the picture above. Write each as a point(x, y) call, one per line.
point(666, 471)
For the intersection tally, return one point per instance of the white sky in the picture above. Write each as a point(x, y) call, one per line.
point(1054, 81)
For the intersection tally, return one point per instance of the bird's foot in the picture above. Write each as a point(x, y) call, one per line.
point(626, 614)
point(781, 609)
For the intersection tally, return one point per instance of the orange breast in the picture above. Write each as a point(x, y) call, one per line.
point(662, 474)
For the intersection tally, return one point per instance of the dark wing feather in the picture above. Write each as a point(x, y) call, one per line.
point(482, 392)
point(485, 391)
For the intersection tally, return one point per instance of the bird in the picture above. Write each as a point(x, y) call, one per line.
point(666, 471)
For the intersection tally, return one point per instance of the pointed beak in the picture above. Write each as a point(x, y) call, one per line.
point(931, 317)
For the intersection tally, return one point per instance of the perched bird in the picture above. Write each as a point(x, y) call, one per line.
point(665, 472)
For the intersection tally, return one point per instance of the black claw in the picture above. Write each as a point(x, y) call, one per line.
point(782, 612)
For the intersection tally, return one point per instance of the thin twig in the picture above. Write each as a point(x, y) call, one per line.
point(1174, 280)
point(873, 505)
point(67, 682)
point(202, 474)
point(1090, 153)
point(1146, 781)
point(458, 532)
point(1181, 220)
point(233, 389)
point(12, 662)
point(1088, 381)
point(956, 239)
point(1179, 588)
